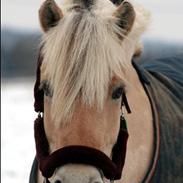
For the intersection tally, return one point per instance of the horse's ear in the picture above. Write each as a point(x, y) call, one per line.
point(49, 14)
point(125, 14)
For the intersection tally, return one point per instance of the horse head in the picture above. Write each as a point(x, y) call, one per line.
point(87, 47)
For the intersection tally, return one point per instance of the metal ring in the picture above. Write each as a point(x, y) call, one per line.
point(40, 114)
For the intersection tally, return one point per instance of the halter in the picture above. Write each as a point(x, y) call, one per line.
point(110, 167)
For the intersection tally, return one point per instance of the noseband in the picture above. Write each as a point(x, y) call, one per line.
point(111, 167)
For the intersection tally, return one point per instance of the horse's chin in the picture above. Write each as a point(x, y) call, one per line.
point(72, 173)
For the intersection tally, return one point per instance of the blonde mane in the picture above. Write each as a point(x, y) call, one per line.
point(81, 55)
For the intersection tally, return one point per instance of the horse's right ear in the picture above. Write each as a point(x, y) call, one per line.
point(49, 14)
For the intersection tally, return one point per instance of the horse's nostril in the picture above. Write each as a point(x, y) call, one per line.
point(58, 181)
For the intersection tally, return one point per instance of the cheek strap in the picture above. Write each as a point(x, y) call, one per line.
point(38, 93)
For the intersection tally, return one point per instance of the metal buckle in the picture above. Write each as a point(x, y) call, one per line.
point(39, 114)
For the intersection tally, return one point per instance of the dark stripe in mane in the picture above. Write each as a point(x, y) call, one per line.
point(117, 2)
point(87, 3)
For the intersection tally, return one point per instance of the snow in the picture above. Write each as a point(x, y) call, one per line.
point(17, 141)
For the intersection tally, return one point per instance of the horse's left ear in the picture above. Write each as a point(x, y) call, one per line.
point(49, 14)
point(125, 14)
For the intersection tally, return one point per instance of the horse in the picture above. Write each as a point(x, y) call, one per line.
point(101, 116)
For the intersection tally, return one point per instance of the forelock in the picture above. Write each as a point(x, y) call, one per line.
point(81, 55)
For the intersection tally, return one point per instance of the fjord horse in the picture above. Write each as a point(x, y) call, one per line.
point(87, 89)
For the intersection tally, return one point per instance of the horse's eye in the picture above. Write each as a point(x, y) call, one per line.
point(47, 90)
point(116, 94)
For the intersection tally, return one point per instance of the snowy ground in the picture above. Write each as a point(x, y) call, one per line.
point(17, 141)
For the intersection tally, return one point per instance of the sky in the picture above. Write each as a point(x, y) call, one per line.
point(167, 16)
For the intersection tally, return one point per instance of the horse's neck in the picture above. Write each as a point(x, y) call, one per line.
point(140, 143)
